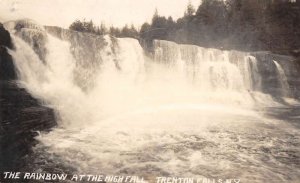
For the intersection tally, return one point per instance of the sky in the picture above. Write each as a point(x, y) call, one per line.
point(111, 12)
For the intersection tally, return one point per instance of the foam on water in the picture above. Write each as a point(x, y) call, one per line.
point(189, 111)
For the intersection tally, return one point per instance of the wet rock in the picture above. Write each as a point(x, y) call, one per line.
point(7, 70)
point(32, 33)
point(21, 115)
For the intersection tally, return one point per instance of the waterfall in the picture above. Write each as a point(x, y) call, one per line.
point(252, 75)
point(225, 76)
point(52, 81)
point(282, 80)
point(88, 78)
point(212, 68)
point(79, 90)
point(123, 112)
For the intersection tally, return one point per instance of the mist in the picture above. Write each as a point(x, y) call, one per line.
point(157, 104)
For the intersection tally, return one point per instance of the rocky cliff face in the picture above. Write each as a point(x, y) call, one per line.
point(89, 51)
point(277, 71)
point(21, 116)
point(6, 63)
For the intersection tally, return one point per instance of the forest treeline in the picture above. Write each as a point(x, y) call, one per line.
point(249, 25)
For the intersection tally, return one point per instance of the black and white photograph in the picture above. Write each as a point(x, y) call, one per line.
point(149, 91)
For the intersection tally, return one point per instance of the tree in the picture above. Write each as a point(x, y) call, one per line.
point(114, 31)
point(102, 30)
point(155, 15)
point(77, 26)
point(190, 10)
point(232, 24)
point(83, 26)
point(145, 29)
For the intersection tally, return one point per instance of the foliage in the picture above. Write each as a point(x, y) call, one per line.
point(83, 26)
point(89, 27)
point(232, 24)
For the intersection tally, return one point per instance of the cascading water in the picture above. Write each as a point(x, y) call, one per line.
point(229, 77)
point(282, 80)
point(212, 69)
point(254, 78)
point(189, 112)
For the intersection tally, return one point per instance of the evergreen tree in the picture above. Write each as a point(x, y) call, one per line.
point(102, 30)
point(231, 24)
point(114, 31)
point(190, 10)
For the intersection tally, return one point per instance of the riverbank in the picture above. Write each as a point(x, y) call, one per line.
point(21, 115)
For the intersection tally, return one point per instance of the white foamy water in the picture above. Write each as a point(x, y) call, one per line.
point(283, 80)
point(189, 112)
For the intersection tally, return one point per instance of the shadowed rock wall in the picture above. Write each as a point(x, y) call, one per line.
point(21, 116)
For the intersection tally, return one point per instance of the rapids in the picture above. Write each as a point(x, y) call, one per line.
point(185, 111)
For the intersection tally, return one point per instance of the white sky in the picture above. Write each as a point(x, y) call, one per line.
point(111, 12)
